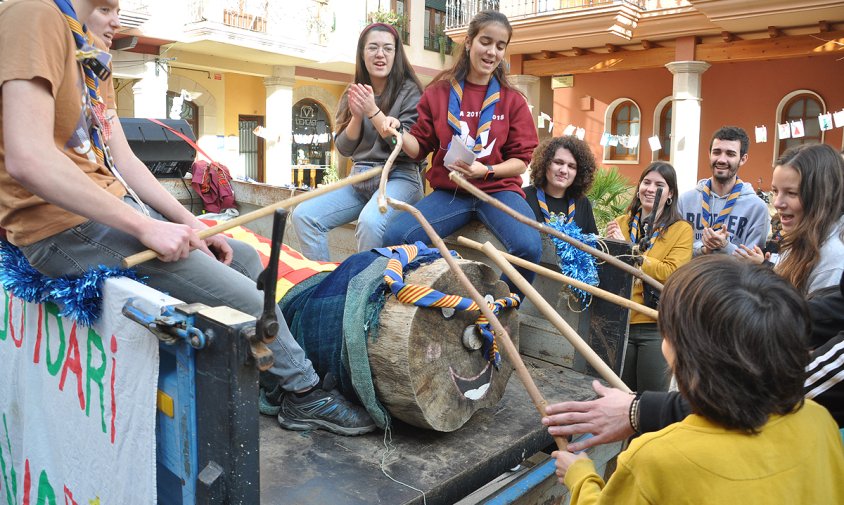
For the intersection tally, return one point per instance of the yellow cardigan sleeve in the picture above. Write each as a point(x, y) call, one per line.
point(584, 483)
point(587, 488)
point(670, 251)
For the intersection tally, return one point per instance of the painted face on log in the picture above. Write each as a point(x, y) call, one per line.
point(424, 371)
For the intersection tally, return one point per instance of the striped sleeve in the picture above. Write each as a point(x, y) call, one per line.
point(825, 377)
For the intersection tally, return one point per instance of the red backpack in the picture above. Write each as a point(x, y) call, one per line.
point(213, 183)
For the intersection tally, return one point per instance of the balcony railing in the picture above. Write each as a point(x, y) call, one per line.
point(460, 12)
point(309, 21)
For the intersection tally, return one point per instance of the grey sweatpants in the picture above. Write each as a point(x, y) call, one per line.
point(196, 279)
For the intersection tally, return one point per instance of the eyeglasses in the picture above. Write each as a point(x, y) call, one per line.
point(387, 49)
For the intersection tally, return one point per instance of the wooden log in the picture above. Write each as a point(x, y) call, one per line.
point(510, 350)
point(423, 374)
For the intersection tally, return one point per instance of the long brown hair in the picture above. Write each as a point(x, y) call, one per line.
point(821, 194)
point(460, 69)
point(669, 214)
point(400, 72)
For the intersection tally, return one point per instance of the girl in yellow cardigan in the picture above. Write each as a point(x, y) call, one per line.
point(670, 246)
point(735, 337)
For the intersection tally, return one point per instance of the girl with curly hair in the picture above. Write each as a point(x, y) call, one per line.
point(562, 172)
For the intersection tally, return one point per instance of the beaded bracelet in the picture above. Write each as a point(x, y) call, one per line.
point(633, 414)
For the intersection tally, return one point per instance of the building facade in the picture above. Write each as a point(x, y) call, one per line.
point(627, 71)
point(260, 81)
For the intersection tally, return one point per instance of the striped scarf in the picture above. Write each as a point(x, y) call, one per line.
point(455, 99)
point(95, 65)
point(634, 232)
point(706, 215)
point(424, 296)
point(546, 214)
point(93, 68)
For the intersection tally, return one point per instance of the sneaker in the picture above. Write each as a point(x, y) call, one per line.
point(324, 408)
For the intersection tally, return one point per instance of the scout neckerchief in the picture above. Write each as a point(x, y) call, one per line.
point(634, 232)
point(95, 64)
point(728, 207)
point(546, 214)
point(424, 296)
point(86, 55)
point(455, 99)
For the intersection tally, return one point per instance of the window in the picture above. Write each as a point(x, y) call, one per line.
point(662, 128)
point(435, 37)
point(804, 105)
point(623, 120)
point(188, 111)
point(402, 9)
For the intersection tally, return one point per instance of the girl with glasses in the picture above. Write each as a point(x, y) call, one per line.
point(385, 84)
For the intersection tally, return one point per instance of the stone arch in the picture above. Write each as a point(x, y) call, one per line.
point(206, 102)
point(329, 102)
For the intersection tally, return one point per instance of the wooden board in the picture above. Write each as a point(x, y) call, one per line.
point(318, 467)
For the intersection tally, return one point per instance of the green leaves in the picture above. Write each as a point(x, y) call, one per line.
point(610, 195)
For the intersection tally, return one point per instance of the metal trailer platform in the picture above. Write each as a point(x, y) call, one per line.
point(321, 468)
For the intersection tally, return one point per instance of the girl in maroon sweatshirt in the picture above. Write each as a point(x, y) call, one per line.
point(474, 101)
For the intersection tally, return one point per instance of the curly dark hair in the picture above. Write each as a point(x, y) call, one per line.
point(739, 333)
point(731, 133)
point(586, 166)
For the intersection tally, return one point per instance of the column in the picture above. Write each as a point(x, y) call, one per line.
point(150, 92)
point(529, 85)
point(279, 124)
point(685, 120)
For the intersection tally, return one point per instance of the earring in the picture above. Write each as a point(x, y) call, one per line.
point(668, 202)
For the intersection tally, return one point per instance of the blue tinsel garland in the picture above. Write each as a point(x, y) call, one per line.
point(574, 263)
point(79, 298)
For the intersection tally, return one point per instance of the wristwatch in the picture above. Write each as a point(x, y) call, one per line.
point(490, 173)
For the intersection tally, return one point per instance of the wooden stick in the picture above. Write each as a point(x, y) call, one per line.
point(555, 318)
point(501, 334)
point(149, 254)
point(388, 165)
point(557, 276)
point(612, 260)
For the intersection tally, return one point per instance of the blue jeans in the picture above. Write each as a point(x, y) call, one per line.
point(313, 219)
point(198, 278)
point(448, 211)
